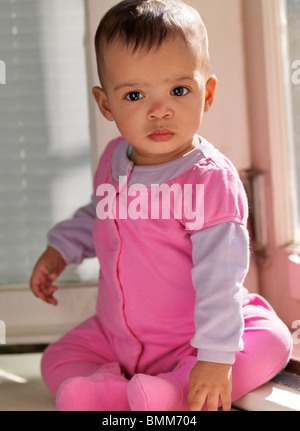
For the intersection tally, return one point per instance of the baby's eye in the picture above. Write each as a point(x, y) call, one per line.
point(133, 96)
point(180, 91)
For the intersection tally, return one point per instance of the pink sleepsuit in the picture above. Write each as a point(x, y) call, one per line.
point(170, 288)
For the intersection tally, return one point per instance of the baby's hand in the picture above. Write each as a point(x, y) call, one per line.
point(210, 381)
point(49, 266)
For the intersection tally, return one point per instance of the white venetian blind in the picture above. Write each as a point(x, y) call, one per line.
point(45, 170)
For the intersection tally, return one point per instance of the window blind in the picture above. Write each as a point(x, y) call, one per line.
point(45, 169)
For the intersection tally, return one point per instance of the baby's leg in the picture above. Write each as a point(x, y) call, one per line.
point(267, 349)
point(82, 371)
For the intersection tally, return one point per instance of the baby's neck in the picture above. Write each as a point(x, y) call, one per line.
point(140, 159)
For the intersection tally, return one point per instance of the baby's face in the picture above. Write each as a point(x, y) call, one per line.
point(156, 98)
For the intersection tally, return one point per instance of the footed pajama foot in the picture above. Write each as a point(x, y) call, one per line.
point(164, 392)
point(151, 393)
point(99, 392)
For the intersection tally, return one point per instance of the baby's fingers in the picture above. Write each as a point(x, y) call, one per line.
point(46, 294)
point(226, 401)
point(196, 402)
point(41, 286)
point(49, 295)
point(213, 402)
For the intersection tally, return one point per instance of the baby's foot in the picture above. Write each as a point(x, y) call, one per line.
point(151, 393)
point(95, 393)
point(166, 391)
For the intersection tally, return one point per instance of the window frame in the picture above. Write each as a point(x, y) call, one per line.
point(269, 111)
point(280, 129)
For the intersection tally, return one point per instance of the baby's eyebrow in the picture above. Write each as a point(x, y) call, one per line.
point(145, 84)
point(129, 84)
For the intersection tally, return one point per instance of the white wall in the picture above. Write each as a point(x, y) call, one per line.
point(226, 125)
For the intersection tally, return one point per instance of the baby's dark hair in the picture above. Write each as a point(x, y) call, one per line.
point(146, 24)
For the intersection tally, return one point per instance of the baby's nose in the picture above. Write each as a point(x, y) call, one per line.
point(160, 110)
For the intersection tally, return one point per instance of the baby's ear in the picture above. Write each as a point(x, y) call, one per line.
point(102, 102)
point(210, 91)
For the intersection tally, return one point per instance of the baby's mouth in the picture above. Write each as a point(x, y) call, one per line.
point(161, 135)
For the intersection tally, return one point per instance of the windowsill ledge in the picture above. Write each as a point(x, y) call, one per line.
point(270, 397)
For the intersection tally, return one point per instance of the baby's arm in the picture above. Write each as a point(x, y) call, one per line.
point(74, 238)
point(68, 242)
point(220, 257)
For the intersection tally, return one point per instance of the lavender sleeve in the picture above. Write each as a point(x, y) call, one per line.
point(74, 238)
point(221, 259)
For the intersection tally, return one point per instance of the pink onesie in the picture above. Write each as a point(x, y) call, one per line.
point(170, 287)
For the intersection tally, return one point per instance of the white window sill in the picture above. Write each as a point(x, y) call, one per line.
point(270, 397)
point(28, 320)
point(21, 385)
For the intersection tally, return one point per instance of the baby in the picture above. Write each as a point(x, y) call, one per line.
point(174, 327)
